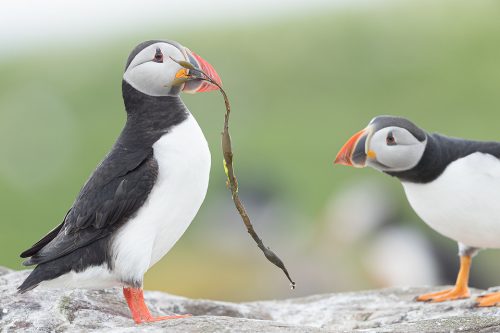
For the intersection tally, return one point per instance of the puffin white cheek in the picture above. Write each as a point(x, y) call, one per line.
point(152, 78)
point(399, 158)
point(393, 158)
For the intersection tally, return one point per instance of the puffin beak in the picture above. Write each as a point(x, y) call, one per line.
point(353, 153)
point(196, 85)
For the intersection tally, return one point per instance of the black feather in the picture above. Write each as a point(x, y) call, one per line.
point(42, 242)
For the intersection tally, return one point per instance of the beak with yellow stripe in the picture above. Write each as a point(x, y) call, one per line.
point(195, 84)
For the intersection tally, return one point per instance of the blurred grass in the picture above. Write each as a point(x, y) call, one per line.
point(299, 88)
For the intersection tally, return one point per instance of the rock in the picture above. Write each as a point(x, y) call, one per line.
point(386, 310)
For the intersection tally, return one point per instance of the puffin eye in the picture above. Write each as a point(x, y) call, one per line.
point(158, 56)
point(390, 140)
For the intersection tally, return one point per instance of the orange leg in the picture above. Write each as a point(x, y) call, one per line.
point(139, 309)
point(492, 299)
point(461, 289)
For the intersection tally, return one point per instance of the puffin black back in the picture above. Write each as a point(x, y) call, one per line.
point(440, 152)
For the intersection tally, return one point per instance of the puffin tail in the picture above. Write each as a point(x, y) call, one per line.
point(31, 282)
point(42, 272)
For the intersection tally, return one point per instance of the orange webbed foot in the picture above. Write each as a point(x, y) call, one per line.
point(445, 295)
point(155, 319)
point(461, 289)
point(492, 299)
point(139, 310)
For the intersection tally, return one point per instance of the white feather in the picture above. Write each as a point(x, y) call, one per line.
point(463, 203)
point(94, 277)
point(184, 166)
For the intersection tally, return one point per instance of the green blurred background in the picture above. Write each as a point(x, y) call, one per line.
point(301, 82)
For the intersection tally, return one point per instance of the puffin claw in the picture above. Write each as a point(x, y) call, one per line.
point(444, 295)
point(161, 318)
point(139, 309)
point(488, 300)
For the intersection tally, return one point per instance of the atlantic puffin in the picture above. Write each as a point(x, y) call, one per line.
point(452, 184)
point(146, 191)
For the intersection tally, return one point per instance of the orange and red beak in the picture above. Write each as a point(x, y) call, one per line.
point(353, 153)
point(194, 86)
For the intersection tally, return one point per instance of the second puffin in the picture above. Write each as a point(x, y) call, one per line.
point(452, 184)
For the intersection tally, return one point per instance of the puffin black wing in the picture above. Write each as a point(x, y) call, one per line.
point(42, 242)
point(115, 191)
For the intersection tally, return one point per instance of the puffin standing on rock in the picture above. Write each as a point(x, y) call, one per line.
point(143, 195)
point(452, 184)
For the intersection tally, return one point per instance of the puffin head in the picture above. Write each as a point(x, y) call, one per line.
point(388, 144)
point(151, 70)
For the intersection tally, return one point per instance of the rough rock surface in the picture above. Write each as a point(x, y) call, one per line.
point(386, 310)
